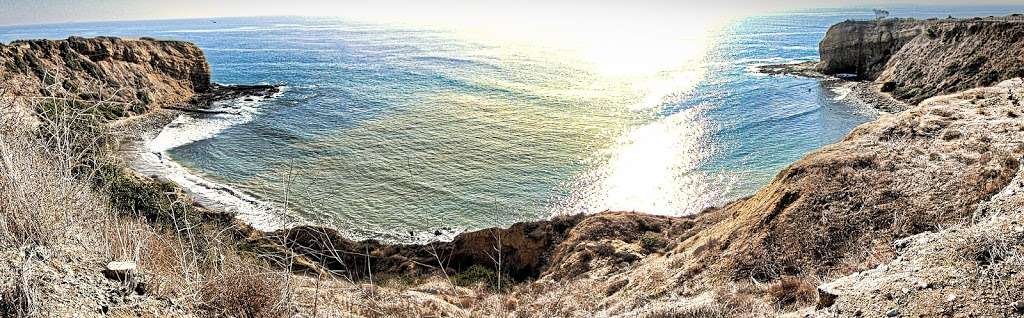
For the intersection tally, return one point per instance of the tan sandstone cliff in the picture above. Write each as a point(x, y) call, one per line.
point(918, 59)
point(132, 76)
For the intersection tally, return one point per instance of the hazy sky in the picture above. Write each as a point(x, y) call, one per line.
point(46, 11)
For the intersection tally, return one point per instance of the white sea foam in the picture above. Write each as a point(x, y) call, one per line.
point(798, 48)
point(842, 92)
point(189, 128)
point(259, 214)
point(152, 159)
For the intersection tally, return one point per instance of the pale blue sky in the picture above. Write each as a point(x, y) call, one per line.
point(47, 11)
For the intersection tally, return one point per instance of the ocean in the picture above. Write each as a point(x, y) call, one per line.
point(389, 128)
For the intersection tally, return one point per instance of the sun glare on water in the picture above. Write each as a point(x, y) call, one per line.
point(648, 165)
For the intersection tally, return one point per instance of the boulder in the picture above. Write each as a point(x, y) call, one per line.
point(120, 271)
point(826, 297)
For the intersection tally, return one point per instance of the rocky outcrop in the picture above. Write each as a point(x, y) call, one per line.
point(955, 56)
point(863, 48)
point(132, 76)
point(917, 59)
point(528, 249)
point(525, 250)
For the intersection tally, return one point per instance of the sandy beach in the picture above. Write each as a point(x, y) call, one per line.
point(146, 140)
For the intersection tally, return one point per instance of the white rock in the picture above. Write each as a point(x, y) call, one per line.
point(119, 270)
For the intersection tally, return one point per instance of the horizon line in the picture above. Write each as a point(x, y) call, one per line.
point(767, 12)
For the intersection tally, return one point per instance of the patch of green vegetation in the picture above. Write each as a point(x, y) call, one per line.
point(478, 274)
point(398, 279)
point(11, 65)
point(651, 241)
point(888, 86)
point(1015, 72)
point(155, 200)
point(990, 78)
point(19, 62)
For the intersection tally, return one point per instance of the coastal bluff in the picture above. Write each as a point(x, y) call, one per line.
point(917, 59)
point(131, 76)
point(908, 215)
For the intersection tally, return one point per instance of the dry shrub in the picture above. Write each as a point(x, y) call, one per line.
point(126, 238)
point(17, 300)
point(42, 162)
point(38, 201)
point(249, 293)
point(165, 264)
point(701, 311)
point(791, 290)
point(743, 299)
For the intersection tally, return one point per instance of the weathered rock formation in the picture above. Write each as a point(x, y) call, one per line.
point(563, 245)
point(863, 48)
point(917, 59)
point(134, 75)
point(525, 249)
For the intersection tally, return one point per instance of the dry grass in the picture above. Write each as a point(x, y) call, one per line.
point(17, 301)
point(54, 198)
point(791, 291)
point(40, 196)
point(246, 292)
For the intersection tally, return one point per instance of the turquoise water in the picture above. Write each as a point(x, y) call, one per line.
point(387, 128)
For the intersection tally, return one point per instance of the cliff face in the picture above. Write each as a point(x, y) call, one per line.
point(917, 59)
point(863, 47)
point(955, 56)
point(136, 74)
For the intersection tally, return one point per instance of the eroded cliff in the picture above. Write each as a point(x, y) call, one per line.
point(130, 76)
point(918, 59)
point(839, 218)
point(863, 48)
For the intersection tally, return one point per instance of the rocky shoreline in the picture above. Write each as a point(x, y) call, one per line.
point(908, 215)
point(137, 135)
point(863, 92)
